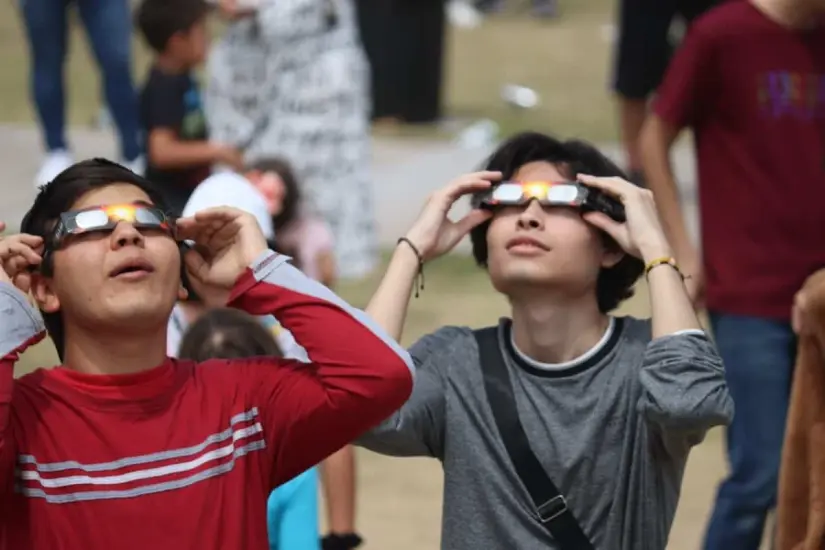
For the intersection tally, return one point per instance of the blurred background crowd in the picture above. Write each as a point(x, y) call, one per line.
point(345, 114)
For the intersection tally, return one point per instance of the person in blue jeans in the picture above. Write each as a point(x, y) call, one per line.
point(747, 81)
point(108, 24)
point(759, 356)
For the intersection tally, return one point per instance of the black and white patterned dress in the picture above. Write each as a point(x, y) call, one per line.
point(293, 82)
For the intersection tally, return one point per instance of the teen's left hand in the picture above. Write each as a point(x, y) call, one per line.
point(227, 241)
point(641, 235)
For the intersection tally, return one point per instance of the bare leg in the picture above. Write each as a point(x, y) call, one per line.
point(338, 476)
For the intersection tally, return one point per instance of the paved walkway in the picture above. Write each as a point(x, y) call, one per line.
point(405, 172)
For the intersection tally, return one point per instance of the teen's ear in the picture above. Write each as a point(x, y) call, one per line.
point(612, 254)
point(44, 295)
point(183, 294)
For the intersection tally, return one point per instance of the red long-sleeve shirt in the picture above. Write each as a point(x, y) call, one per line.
point(183, 456)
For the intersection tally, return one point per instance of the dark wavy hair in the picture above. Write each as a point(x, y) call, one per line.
point(293, 195)
point(58, 196)
point(226, 333)
point(292, 201)
point(571, 157)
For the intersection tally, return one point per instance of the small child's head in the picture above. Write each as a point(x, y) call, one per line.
point(175, 29)
point(276, 180)
point(226, 333)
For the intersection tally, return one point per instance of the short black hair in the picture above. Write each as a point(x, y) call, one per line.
point(571, 157)
point(226, 333)
point(160, 20)
point(59, 195)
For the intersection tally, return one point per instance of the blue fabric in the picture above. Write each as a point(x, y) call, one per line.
point(759, 355)
point(292, 514)
point(108, 25)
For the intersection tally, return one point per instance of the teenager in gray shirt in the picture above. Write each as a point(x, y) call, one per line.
point(611, 406)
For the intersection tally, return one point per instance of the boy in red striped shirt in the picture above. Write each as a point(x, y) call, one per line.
point(122, 447)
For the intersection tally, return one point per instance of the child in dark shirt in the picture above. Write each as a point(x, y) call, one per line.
point(179, 155)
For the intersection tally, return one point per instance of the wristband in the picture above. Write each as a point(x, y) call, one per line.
point(667, 260)
point(419, 276)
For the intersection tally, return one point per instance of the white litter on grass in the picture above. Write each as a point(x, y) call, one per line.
point(463, 15)
point(481, 134)
point(519, 96)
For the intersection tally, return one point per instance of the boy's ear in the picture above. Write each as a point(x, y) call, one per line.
point(44, 295)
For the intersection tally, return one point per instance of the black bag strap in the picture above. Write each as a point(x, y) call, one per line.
point(550, 504)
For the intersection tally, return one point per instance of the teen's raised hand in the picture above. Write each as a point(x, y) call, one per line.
point(433, 233)
point(227, 241)
point(18, 253)
point(642, 234)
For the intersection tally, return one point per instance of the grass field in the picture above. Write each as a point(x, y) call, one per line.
point(567, 62)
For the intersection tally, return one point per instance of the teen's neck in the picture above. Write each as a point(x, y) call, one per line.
point(107, 353)
point(550, 330)
point(793, 14)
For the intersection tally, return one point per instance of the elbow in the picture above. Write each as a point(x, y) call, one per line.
point(388, 380)
point(689, 394)
point(158, 157)
point(396, 382)
point(690, 412)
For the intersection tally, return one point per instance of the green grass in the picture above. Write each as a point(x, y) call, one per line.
point(566, 61)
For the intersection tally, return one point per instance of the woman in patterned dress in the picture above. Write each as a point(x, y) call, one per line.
point(292, 81)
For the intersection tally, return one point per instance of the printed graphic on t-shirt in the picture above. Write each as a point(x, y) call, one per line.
point(785, 94)
point(193, 125)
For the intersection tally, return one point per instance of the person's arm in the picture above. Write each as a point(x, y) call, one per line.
point(808, 312)
point(164, 116)
point(684, 393)
point(683, 100)
point(657, 140)
point(417, 429)
point(21, 327)
point(388, 306)
point(167, 152)
point(682, 378)
point(357, 375)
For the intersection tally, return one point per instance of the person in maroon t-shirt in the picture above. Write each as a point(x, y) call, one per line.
point(750, 82)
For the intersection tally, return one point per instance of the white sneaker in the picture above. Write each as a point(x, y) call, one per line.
point(54, 163)
point(138, 166)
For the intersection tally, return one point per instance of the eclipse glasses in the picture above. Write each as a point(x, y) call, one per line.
point(564, 193)
point(105, 218)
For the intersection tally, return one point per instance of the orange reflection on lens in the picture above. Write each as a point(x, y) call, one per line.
point(536, 190)
point(121, 212)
